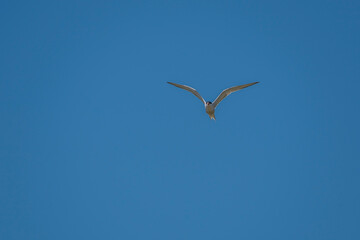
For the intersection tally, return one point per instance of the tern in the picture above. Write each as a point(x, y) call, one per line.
point(209, 106)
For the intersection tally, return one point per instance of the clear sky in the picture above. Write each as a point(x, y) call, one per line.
point(94, 144)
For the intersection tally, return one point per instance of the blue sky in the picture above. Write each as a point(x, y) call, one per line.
point(95, 145)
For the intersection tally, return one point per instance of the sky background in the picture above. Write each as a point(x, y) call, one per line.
point(94, 144)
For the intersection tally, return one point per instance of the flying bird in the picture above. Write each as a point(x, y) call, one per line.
point(209, 106)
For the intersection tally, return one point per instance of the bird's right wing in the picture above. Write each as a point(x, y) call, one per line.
point(190, 89)
point(228, 91)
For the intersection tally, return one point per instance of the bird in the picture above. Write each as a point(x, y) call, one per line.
point(210, 106)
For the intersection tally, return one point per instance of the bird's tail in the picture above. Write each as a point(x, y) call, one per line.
point(212, 117)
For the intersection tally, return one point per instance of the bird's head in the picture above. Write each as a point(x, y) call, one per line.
point(208, 103)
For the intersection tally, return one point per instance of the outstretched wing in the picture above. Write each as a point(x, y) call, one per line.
point(228, 91)
point(190, 89)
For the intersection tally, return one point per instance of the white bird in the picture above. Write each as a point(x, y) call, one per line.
point(209, 106)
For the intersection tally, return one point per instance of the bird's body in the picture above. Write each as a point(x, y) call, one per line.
point(210, 110)
point(209, 106)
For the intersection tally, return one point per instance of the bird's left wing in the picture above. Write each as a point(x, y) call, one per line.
point(228, 91)
point(190, 89)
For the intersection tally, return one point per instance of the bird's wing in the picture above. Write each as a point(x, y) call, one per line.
point(193, 91)
point(228, 91)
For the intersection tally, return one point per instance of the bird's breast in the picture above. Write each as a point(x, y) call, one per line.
point(209, 109)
